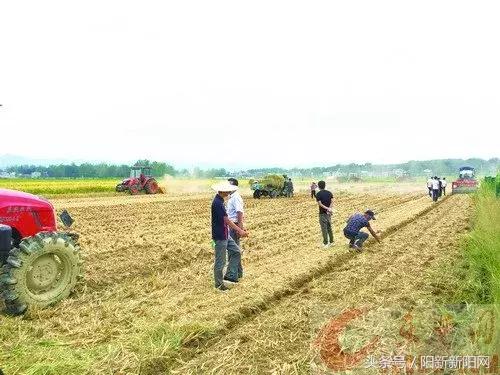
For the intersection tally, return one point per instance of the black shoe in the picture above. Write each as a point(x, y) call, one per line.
point(229, 280)
point(222, 288)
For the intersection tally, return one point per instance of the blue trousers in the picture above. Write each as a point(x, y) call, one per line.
point(357, 238)
point(236, 237)
point(221, 248)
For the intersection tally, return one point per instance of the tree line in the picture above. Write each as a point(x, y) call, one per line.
point(104, 170)
point(442, 167)
point(88, 170)
point(415, 168)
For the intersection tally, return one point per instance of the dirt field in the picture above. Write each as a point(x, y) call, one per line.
point(147, 304)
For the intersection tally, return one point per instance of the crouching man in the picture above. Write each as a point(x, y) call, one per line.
point(220, 235)
point(353, 232)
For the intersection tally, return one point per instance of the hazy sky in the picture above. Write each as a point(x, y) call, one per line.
point(232, 83)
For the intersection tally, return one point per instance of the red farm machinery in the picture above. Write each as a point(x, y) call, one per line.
point(466, 182)
point(39, 265)
point(140, 180)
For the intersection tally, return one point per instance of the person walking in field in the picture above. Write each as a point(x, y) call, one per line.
point(290, 188)
point(325, 203)
point(443, 185)
point(235, 213)
point(353, 232)
point(435, 189)
point(440, 180)
point(313, 189)
point(223, 243)
point(286, 188)
point(429, 186)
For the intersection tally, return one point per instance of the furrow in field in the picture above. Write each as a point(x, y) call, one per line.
point(149, 263)
point(186, 295)
point(392, 273)
point(165, 237)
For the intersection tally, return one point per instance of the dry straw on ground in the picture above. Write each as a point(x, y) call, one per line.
point(147, 303)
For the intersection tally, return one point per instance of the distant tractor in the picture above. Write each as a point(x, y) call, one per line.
point(140, 180)
point(466, 182)
point(271, 186)
point(39, 265)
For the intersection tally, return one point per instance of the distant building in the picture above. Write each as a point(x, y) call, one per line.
point(399, 172)
point(366, 174)
point(7, 174)
point(36, 174)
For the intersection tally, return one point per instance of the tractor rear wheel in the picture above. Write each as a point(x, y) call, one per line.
point(151, 187)
point(42, 271)
point(133, 189)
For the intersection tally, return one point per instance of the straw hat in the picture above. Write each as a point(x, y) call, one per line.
point(225, 187)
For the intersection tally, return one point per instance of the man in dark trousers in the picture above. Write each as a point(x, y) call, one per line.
point(325, 203)
point(429, 186)
point(443, 185)
point(313, 189)
point(435, 189)
point(223, 242)
point(290, 188)
point(235, 211)
point(353, 232)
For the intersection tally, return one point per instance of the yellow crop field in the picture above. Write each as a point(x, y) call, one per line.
point(50, 187)
point(147, 304)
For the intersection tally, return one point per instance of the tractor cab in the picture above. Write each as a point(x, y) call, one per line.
point(256, 185)
point(466, 173)
point(140, 172)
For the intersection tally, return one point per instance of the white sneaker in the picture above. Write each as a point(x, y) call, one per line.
point(326, 246)
point(229, 284)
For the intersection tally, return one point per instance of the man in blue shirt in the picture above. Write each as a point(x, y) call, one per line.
point(352, 231)
point(220, 235)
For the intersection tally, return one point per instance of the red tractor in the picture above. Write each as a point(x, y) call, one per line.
point(140, 180)
point(39, 265)
point(466, 182)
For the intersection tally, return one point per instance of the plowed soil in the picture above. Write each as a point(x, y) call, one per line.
point(149, 276)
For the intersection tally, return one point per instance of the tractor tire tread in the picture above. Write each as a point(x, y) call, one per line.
point(14, 290)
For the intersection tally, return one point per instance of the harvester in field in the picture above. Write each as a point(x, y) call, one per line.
point(39, 265)
point(271, 185)
point(466, 182)
point(140, 180)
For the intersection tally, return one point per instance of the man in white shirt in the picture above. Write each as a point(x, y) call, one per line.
point(235, 213)
point(435, 189)
point(429, 186)
point(443, 185)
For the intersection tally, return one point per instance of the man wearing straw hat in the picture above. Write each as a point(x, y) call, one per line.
point(220, 235)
